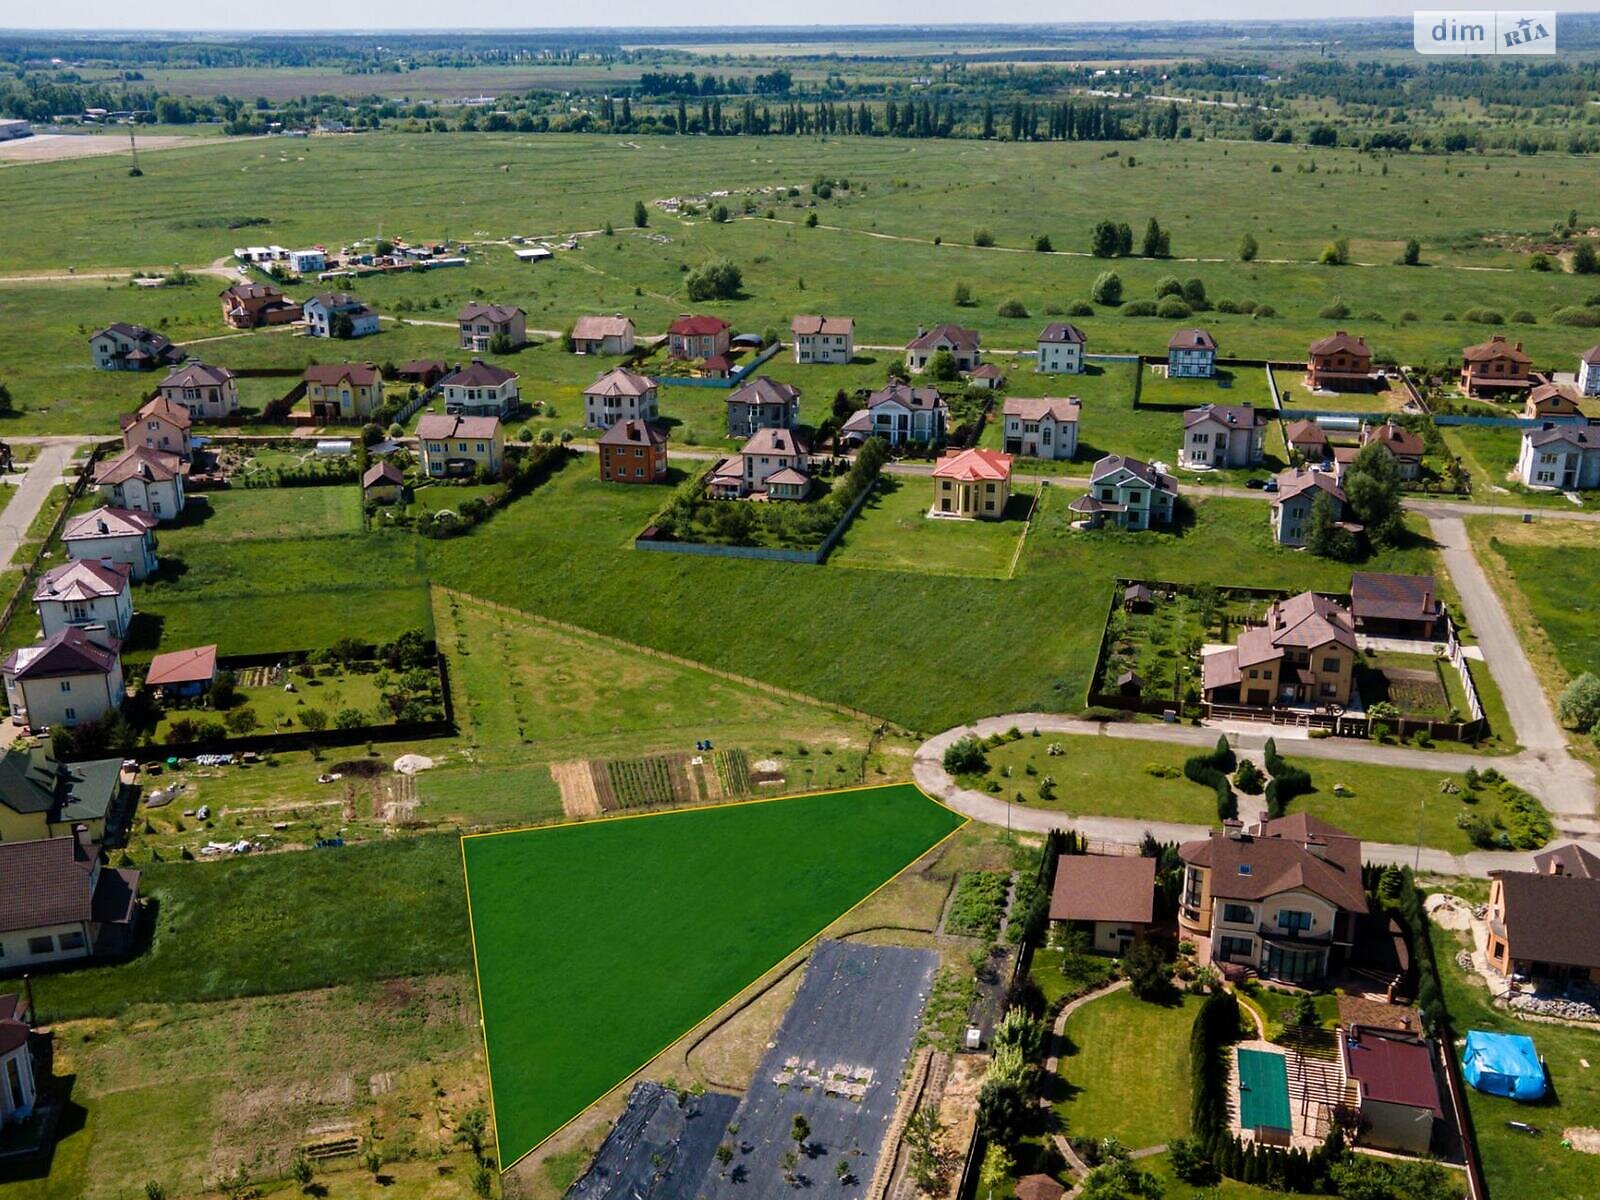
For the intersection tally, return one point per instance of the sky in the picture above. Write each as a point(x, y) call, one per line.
point(292, 15)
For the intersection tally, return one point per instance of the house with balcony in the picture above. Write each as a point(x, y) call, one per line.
point(1280, 898)
point(603, 335)
point(1303, 655)
point(116, 535)
point(1495, 369)
point(455, 446)
point(1562, 458)
point(339, 314)
point(763, 403)
point(1126, 493)
point(1060, 349)
point(1041, 427)
point(480, 389)
point(481, 324)
point(1191, 354)
point(253, 305)
point(698, 337)
point(1340, 363)
point(208, 393)
point(123, 347)
point(85, 592)
point(144, 480)
point(961, 343)
point(342, 393)
point(160, 425)
point(901, 415)
point(972, 484)
point(823, 339)
point(1221, 436)
point(774, 464)
point(619, 395)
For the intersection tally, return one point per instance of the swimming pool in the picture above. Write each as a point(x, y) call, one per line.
point(1263, 1090)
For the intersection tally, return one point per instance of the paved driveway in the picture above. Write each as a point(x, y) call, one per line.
point(39, 478)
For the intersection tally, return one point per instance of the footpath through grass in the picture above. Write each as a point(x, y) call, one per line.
point(600, 944)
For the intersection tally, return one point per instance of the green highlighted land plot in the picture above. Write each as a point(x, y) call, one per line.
point(599, 944)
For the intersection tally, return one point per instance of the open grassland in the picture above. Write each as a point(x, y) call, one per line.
point(573, 924)
point(238, 1085)
point(564, 553)
point(874, 254)
point(893, 531)
point(1517, 1164)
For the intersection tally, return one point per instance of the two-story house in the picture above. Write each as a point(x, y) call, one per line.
point(972, 484)
point(698, 337)
point(209, 393)
point(1222, 436)
point(85, 592)
point(619, 395)
point(253, 305)
point(455, 446)
point(961, 343)
point(1339, 362)
point(1298, 489)
point(1302, 656)
point(1560, 458)
point(1041, 427)
point(1589, 372)
point(116, 535)
point(602, 335)
point(1281, 897)
point(1495, 368)
point(143, 480)
point(159, 425)
point(823, 339)
point(1549, 401)
point(633, 451)
point(481, 324)
point(41, 797)
point(762, 403)
point(480, 389)
point(1404, 446)
point(775, 464)
point(1191, 354)
point(73, 675)
point(343, 392)
point(59, 902)
point(1060, 349)
point(900, 414)
point(123, 347)
point(339, 314)
point(1126, 493)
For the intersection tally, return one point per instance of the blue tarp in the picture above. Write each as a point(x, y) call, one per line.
point(1503, 1064)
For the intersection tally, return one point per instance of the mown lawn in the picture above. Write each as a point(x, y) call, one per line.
point(573, 924)
point(1096, 1095)
point(894, 532)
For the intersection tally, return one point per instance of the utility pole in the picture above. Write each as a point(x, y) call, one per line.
point(1422, 805)
point(133, 150)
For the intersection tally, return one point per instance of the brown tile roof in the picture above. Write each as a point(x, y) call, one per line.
point(1572, 434)
point(381, 474)
point(331, 374)
point(597, 328)
point(1293, 482)
point(1379, 1014)
point(1275, 858)
point(335, 301)
point(619, 382)
point(1092, 887)
point(46, 882)
point(196, 374)
point(420, 367)
point(972, 465)
point(1391, 1070)
point(806, 326)
point(161, 408)
point(1143, 471)
point(1192, 339)
point(1495, 347)
point(108, 522)
point(1305, 433)
point(1394, 597)
point(137, 333)
point(251, 291)
point(958, 336)
point(1592, 355)
point(1242, 415)
point(435, 427)
point(775, 441)
point(82, 579)
point(477, 374)
point(1043, 408)
point(1310, 620)
point(1341, 343)
point(788, 477)
point(499, 314)
point(68, 651)
point(1570, 859)
point(1039, 1187)
point(140, 462)
point(1219, 669)
point(195, 665)
point(1400, 440)
point(914, 398)
point(1553, 398)
point(634, 432)
point(1551, 918)
point(763, 390)
point(698, 326)
point(1062, 332)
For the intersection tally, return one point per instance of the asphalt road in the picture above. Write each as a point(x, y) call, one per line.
point(33, 490)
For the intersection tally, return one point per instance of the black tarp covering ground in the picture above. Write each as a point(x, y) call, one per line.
point(659, 1149)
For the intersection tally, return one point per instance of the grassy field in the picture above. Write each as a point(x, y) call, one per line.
point(1097, 1097)
point(563, 553)
point(1490, 457)
point(1139, 780)
point(1552, 568)
point(572, 925)
point(894, 532)
point(1514, 1163)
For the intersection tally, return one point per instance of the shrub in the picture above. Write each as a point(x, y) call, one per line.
point(1247, 248)
point(715, 279)
point(1080, 308)
point(966, 756)
point(1042, 243)
point(1523, 317)
point(962, 296)
point(1264, 312)
point(1412, 254)
point(1168, 285)
point(1141, 308)
point(1148, 969)
point(1580, 318)
point(1336, 253)
point(982, 237)
point(1336, 311)
point(1173, 309)
point(1539, 262)
point(1248, 778)
point(1012, 308)
point(1483, 316)
point(1107, 288)
point(1579, 705)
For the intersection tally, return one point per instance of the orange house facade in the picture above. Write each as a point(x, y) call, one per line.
point(633, 451)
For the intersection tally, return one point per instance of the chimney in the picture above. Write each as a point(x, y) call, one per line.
point(1315, 845)
point(1233, 829)
point(921, 332)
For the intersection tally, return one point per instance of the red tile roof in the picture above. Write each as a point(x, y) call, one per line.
point(697, 326)
point(66, 652)
point(140, 462)
point(109, 522)
point(1192, 339)
point(1341, 343)
point(196, 665)
point(437, 428)
point(1495, 347)
point(1391, 1070)
point(160, 408)
point(330, 374)
point(972, 465)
